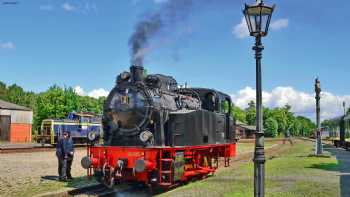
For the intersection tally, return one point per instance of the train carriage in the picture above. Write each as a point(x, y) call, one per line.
point(80, 125)
point(343, 123)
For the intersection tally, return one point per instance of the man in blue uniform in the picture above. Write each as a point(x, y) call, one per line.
point(65, 154)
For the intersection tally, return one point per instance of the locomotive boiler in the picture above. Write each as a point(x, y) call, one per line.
point(159, 134)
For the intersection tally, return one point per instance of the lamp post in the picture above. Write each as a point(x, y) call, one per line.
point(318, 132)
point(258, 18)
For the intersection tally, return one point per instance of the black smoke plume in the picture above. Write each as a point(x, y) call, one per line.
point(167, 16)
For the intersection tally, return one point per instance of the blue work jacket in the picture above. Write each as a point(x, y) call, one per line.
point(65, 147)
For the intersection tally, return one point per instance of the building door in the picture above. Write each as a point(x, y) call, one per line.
point(5, 122)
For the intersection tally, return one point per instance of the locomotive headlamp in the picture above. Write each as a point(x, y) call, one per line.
point(145, 136)
point(92, 136)
point(258, 18)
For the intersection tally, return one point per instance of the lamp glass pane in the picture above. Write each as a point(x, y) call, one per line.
point(253, 22)
point(258, 23)
point(268, 23)
point(248, 22)
point(264, 20)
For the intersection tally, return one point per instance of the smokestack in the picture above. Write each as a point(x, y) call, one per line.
point(136, 74)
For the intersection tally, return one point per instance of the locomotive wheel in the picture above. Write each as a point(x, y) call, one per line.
point(108, 178)
point(110, 182)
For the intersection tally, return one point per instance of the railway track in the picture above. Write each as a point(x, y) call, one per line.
point(95, 190)
point(132, 190)
point(27, 149)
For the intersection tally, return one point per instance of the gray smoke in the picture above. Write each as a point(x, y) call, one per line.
point(146, 30)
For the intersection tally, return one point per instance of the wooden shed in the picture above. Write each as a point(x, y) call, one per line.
point(15, 123)
point(244, 131)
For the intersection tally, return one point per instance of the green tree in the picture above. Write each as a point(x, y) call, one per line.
point(306, 126)
point(238, 113)
point(280, 116)
point(295, 127)
point(271, 127)
point(251, 113)
point(50, 104)
point(3, 91)
point(15, 94)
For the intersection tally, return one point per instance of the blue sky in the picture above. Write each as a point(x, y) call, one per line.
point(85, 43)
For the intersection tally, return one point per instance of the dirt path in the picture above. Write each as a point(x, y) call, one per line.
point(343, 158)
point(25, 174)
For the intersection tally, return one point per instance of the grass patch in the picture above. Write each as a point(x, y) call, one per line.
point(325, 166)
point(45, 186)
point(249, 147)
point(290, 174)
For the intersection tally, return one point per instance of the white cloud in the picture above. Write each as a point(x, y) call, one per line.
point(81, 8)
point(68, 7)
point(46, 7)
point(279, 24)
point(302, 103)
point(241, 30)
point(79, 90)
point(96, 93)
point(7, 45)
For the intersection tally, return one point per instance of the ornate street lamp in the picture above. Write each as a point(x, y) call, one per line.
point(258, 18)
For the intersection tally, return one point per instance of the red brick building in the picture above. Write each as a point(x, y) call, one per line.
point(15, 123)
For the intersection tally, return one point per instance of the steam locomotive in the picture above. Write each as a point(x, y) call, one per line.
point(159, 134)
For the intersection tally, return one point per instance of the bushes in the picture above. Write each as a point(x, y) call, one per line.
point(271, 127)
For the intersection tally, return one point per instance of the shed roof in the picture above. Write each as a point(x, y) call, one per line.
point(245, 126)
point(7, 105)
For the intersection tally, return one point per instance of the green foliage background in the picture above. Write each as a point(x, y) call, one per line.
point(56, 102)
point(276, 121)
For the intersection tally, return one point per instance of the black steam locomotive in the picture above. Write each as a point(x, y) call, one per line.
point(152, 111)
point(159, 134)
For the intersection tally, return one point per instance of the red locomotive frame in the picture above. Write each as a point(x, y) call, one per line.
point(156, 166)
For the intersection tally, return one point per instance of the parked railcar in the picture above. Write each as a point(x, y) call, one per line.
point(161, 135)
point(80, 125)
point(344, 127)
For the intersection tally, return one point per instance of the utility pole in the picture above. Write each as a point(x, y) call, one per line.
point(319, 150)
